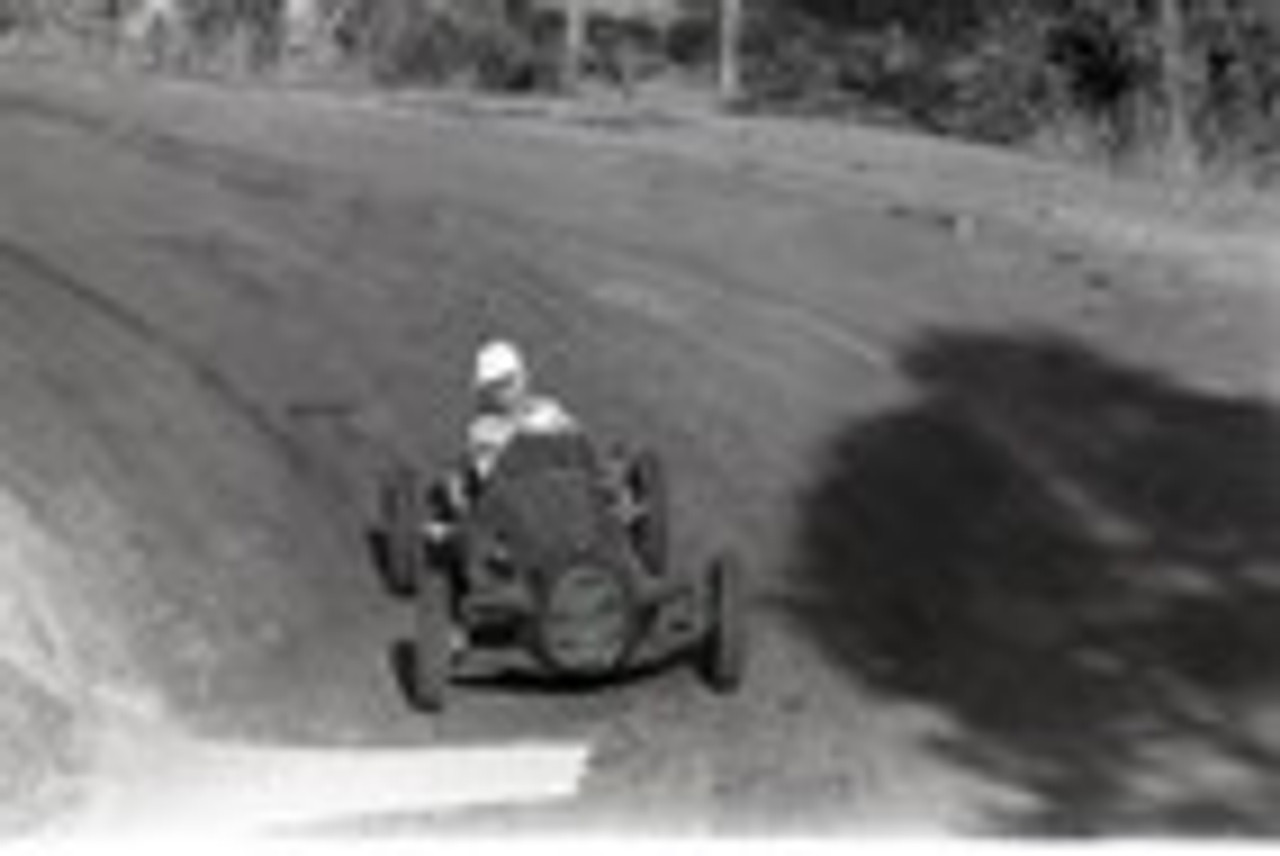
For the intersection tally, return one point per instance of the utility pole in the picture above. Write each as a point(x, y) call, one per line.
point(730, 71)
point(575, 43)
point(1179, 141)
point(302, 20)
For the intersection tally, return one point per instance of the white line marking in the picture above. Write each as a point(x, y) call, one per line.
point(188, 787)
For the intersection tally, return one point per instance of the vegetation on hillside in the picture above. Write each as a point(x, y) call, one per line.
point(1195, 82)
point(1114, 77)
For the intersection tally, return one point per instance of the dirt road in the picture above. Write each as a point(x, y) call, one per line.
point(221, 315)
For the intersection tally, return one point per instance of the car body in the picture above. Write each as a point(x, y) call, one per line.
point(558, 568)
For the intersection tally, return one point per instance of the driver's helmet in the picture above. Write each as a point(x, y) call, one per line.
point(499, 363)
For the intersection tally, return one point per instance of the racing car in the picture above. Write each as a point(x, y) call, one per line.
point(558, 569)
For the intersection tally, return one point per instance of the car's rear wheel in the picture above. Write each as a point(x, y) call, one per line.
point(648, 485)
point(586, 623)
point(402, 512)
point(722, 655)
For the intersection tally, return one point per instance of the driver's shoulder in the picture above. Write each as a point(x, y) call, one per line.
point(489, 429)
point(544, 413)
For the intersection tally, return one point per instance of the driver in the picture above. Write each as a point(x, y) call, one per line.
point(507, 407)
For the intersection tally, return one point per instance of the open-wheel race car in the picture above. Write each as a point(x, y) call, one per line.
point(558, 569)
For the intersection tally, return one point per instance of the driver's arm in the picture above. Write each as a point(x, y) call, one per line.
point(486, 439)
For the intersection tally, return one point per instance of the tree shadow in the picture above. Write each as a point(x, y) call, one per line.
point(1076, 559)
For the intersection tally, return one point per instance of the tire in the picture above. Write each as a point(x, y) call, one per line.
point(722, 655)
point(402, 511)
point(426, 675)
point(648, 483)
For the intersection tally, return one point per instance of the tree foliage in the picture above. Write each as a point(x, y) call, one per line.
point(1016, 70)
point(489, 43)
point(1094, 72)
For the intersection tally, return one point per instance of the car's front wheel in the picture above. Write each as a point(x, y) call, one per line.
point(424, 664)
point(721, 659)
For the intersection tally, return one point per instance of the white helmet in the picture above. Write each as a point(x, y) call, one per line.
point(499, 362)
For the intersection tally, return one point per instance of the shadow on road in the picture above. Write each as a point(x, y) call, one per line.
point(1077, 560)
